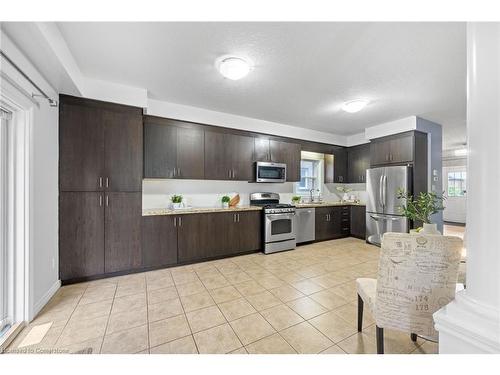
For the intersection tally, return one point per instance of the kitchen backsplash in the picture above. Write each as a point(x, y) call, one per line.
point(203, 193)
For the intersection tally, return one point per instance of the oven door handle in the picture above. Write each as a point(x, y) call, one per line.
point(273, 217)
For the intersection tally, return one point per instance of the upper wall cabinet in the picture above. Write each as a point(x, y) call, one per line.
point(228, 156)
point(100, 146)
point(172, 151)
point(340, 165)
point(394, 149)
point(358, 161)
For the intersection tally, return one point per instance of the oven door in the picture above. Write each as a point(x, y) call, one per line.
point(270, 172)
point(280, 227)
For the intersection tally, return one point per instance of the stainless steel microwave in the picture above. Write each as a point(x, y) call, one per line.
point(270, 172)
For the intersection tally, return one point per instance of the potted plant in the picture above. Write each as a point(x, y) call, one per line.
point(421, 209)
point(176, 201)
point(225, 201)
point(296, 199)
point(344, 190)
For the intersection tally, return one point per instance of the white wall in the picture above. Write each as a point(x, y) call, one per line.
point(44, 181)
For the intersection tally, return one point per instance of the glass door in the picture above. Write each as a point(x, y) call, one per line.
point(5, 320)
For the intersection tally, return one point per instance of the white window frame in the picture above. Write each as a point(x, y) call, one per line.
point(319, 171)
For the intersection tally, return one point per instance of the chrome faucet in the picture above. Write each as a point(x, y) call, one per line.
point(311, 192)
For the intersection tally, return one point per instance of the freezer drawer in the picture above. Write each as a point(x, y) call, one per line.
point(306, 224)
point(378, 224)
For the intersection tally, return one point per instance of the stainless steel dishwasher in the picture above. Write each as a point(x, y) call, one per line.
point(305, 224)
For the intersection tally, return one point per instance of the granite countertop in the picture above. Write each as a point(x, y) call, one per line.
point(196, 210)
point(328, 204)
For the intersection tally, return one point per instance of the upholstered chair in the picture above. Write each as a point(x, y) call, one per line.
point(417, 275)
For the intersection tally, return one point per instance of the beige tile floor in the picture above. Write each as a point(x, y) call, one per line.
point(300, 301)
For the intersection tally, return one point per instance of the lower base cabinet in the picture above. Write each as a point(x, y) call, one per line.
point(358, 222)
point(187, 238)
point(99, 233)
point(332, 222)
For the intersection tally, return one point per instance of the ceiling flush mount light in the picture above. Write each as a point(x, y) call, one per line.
point(233, 67)
point(354, 106)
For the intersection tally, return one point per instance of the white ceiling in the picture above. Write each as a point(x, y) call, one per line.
point(303, 71)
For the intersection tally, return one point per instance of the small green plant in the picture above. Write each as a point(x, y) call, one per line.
point(296, 199)
point(176, 198)
point(225, 199)
point(422, 207)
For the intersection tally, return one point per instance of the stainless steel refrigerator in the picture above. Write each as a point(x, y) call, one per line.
point(382, 207)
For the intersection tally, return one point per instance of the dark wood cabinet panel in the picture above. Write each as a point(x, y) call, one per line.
point(395, 149)
point(192, 233)
point(160, 150)
point(323, 225)
point(122, 242)
point(159, 241)
point(81, 235)
point(248, 232)
point(358, 161)
point(242, 155)
point(190, 154)
point(217, 156)
point(332, 222)
point(340, 165)
point(81, 148)
point(262, 152)
point(289, 154)
point(358, 222)
point(123, 151)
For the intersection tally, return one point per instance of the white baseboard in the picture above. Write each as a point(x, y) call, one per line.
point(46, 297)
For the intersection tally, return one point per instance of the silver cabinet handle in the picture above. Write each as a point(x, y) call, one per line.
point(234, 218)
point(100, 182)
point(100, 200)
point(179, 172)
point(173, 175)
point(229, 173)
point(107, 181)
point(175, 222)
point(180, 221)
point(107, 200)
point(238, 218)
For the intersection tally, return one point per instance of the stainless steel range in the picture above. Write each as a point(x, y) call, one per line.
point(279, 222)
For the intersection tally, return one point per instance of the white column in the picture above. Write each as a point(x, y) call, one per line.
point(471, 323)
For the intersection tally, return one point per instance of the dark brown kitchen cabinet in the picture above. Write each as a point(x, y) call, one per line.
point(172, 151)
point(81, 234)
point(358, 222)
point(358, 161)
point(340, 165)
point(210, 235)
point(160, 150)
point(159, 240)
point(122, 240)
point(393, 149)
point(122, 151)
point(100, 146)
point(81, 148)
point(332, 222)
point(262, 149)
point(228, 156)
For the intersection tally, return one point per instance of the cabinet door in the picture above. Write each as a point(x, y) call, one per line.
point(122, 245)
point(249, 231)
point(81, 148)
point(160, 150)
point(159, 240)
point(81, 235)
point(358, 222)
point(340, 165)
point(242, 154)
point(292, 160)
point(218, 156)
point(365, 161)
point(262, 149)
point(322, 224)
point(379, 152)
point(190, 154)
point(401, 149)
point(352, 165)
point(198, 236)
point(123, 150)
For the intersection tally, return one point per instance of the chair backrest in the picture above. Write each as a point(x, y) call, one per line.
point(417, 275)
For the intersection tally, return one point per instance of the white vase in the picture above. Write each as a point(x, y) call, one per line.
point(176, 206)
point(430, 229)
point(225, 204)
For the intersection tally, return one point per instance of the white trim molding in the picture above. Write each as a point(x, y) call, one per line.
point(46, 298)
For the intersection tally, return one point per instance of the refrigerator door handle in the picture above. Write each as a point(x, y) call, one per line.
point(377, 218)
point(380, 191)
point(384, 190)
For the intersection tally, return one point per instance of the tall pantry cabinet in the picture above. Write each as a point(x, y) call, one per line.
point(100, 188)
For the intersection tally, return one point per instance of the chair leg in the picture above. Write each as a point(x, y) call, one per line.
point(360, 313)
point(413, 337)
point(380, 340)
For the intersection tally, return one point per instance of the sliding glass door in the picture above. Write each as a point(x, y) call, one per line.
point(5, 320)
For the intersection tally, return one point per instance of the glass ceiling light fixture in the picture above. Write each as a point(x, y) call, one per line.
point(233, 67)
point(354, 106)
